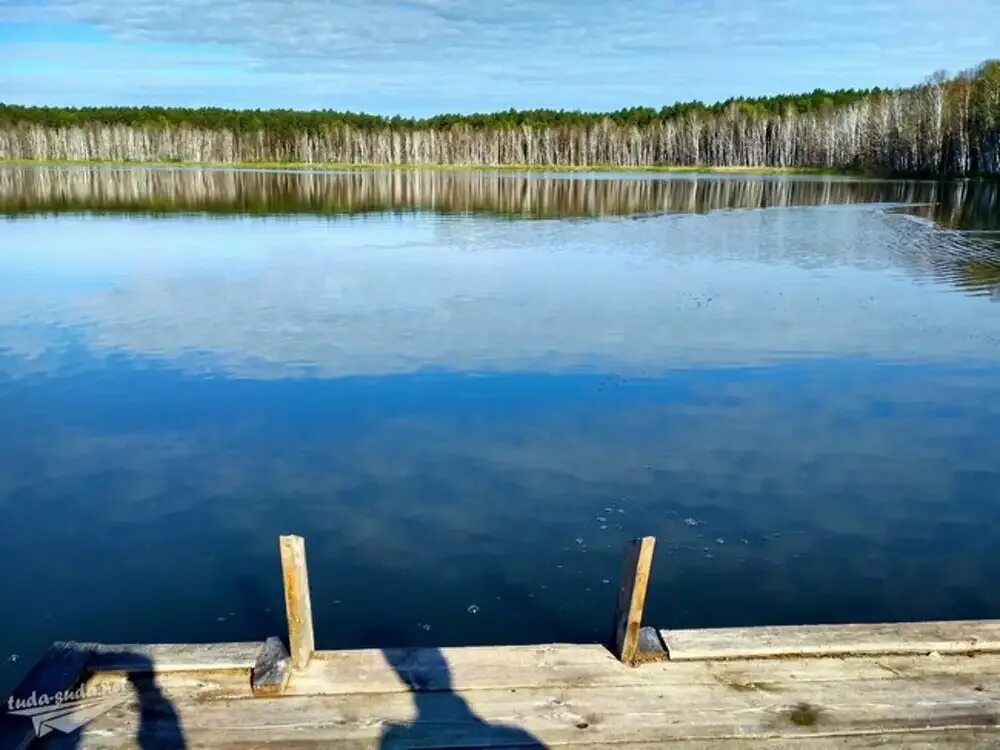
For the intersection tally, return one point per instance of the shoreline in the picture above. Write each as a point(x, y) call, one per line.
point(513, 168)
point(337, 166)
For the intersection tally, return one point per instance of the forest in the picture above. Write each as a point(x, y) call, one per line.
point(947, 126)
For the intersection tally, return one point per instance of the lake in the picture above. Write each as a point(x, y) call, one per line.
point(467, 390)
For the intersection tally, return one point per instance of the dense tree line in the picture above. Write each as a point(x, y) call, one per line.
point(944, 126)
point(291, 121)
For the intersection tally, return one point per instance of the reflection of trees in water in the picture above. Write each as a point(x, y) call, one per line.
point(969, 255)
point(30, 190)
point(975, 274)
point(974, 260)
point(964, 204)
point(969, 261)
point(982, 273)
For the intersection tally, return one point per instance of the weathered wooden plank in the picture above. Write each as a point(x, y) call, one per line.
point(298, 605)
point(179, 686)
point(170, 657)
point(401, 670)
point(474, 667)
point(576, 716)
point(921, 740)
point(272, 669)
point(565, 665)
point(561, 695)
point(933, 739)
point(957, 637)
point(59, 669)
point(632, 597)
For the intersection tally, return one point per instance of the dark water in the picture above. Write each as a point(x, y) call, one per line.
point(467, 411)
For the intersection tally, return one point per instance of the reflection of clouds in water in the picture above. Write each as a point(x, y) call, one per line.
point(853, 468)
point(275, 299)
point(853, 475)
point(735, 434)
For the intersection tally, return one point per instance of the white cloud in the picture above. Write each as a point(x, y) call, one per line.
point(428, 55)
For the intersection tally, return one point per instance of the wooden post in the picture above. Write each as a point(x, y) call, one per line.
point(298, 606)
point(631, 597)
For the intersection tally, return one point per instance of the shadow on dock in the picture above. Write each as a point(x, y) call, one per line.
point(158, 725)
point(443, 718)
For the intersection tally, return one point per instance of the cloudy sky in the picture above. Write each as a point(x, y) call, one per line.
point(427, 56)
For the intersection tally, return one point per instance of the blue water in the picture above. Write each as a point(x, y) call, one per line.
point(467, 410)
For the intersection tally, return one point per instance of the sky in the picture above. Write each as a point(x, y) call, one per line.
point(421, 57)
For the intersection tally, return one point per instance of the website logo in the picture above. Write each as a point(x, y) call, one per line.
point(67, 710)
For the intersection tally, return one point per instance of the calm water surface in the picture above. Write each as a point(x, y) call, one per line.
point(468, 390)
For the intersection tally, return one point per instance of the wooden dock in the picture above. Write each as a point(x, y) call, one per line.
point(864, 686)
